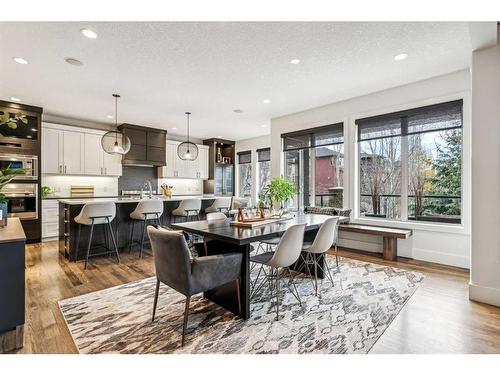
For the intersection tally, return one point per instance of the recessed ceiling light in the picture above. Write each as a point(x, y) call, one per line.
point(15, 99)
point(110, 116)
point(294, 61)
point(174, 128)
point(400, 56)
point(89, 33)
point(20, 60)
point(29, 136)
point(237, 110)
point(73, 61)
point(34, 129)
point(266, 101)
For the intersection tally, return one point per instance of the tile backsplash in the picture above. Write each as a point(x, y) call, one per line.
point(103, 186)
point(183, 186)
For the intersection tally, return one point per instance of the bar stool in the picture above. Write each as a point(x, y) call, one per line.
point(146, 209)
point(187, 208)
point(220, 204)
point(97, 213)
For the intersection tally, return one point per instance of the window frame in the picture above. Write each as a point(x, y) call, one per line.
point(403, 222)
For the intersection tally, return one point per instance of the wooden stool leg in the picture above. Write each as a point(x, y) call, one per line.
point(390, 248)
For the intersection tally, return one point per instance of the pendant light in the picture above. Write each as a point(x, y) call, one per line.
point(115, 142)
point(187, 150)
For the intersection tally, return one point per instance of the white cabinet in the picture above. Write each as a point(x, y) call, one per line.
point(50, 219)
point(52, 150)
point(178, 168)
point(97, 162)
point(76, 151)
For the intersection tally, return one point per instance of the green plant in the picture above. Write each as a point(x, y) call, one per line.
point(6, 176)
point(46, 190)
point(11, 122)
point(279, 190)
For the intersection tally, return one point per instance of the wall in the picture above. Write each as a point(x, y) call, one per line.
point(133, 178)
point(103, 186)
point(485, 263)
point(436, 243)
point(251, 144)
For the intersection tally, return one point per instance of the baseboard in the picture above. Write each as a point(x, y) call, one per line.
point(484, 294)
point(441, 258)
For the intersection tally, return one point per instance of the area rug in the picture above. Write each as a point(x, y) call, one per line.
point(348, 317)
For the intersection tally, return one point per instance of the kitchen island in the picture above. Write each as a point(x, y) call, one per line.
point(70, 208)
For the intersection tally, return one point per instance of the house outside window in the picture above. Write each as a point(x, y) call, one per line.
point(314, 163)
point(245, 174)
point(410, 164)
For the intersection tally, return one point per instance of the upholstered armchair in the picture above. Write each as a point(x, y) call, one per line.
point(176, 269)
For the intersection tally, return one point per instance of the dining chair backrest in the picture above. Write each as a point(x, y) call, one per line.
point(288, 250)
point(171, 258)
point(222, 202)
point(148, 206)
point(326, 236)
point(216, 216)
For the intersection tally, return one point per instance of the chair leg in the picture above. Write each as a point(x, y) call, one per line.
point(328, 269)
point(156, 299)
point(106, 239)
point(88, 246)
point(336, 256)
point(113, 239)
point(277, 294)
point(315, 274)
point(292, 281)
point(78, 233)
point(142, 237)
point(186, 313)
point(131, 237)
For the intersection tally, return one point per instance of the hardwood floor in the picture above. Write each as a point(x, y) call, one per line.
point(439, 318)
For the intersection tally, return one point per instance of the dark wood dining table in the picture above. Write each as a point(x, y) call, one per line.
point(225, 238)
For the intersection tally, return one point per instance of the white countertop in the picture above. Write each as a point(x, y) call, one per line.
point(76, 201)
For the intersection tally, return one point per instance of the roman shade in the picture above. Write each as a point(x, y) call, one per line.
point(430, 118)
point(321, 136)
point(264, 154)
point(244, 157)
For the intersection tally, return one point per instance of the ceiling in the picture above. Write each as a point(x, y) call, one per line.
point(162, 69)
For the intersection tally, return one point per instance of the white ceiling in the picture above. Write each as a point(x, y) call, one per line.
point(164, 69)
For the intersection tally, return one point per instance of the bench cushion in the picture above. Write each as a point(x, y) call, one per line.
point(334, 211)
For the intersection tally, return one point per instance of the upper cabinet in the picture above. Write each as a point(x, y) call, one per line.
point(177, 168)
point(76, 151)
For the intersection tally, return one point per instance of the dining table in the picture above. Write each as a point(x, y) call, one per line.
point(226, 238)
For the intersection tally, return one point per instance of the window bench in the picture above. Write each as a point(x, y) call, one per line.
point(389, 236)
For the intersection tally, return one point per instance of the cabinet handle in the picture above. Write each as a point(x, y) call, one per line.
point(106, 171)
point(60, 168)
point(101, 170)
point(64, 169)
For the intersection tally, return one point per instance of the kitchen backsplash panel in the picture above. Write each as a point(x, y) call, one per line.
point(133, 177)
point(183, 186)
point(103, 186)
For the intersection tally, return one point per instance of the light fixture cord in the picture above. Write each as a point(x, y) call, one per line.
point(188, 131)
point(116, 119)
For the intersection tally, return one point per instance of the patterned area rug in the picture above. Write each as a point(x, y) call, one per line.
point(346, 318)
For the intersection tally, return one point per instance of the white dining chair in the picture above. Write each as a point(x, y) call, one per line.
point(287, 253)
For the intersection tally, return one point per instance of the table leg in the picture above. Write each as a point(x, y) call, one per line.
point(390, 248)
point(226, 295)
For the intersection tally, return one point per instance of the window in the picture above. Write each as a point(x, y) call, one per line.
point(264, 168)
point(314, 162)
point(245, 174)
point(410, 164)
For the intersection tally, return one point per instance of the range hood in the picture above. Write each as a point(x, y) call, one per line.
point(147, 146)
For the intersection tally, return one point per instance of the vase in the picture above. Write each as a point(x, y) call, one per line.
point(3, 214)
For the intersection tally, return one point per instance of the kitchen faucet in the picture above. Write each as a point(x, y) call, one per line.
point(147, 183)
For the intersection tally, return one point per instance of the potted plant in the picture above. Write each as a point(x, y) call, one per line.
point(278, 192)
point(6, 176)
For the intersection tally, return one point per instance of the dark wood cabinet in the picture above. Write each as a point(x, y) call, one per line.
point(220, 175)
point(147, 145)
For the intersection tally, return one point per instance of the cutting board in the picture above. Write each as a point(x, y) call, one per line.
point(81, 191)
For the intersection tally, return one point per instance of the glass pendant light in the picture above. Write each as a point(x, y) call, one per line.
point(187, 150)
point(115, 142)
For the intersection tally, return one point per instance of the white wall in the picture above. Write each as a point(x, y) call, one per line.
point(436, 243)
point(251, 144)
point(103, 186)
point(485, 263)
